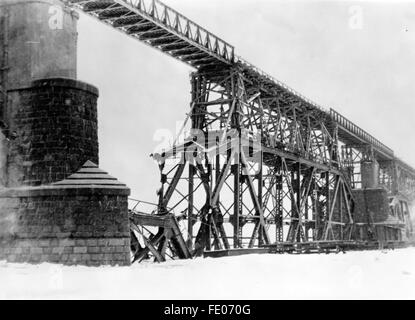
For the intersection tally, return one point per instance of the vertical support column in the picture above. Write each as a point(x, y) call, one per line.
point(236, 169)
point(190, 221)
point(335, 157)
point(395, 182)
point(293, 211)
point(306, 217)
point(317, 206)
point(299, 228)
point(236, 125)
point(280, 212)
point(341, 209)
point(328, 204)
point(193, 97)
point(260, 186)
point(192, 169)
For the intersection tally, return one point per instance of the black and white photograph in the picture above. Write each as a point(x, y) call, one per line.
point(197, 152)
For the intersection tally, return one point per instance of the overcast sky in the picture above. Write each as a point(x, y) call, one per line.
point(363, 70)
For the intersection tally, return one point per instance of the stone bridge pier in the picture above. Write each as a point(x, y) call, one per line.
point(56, 204)
point(381, 210)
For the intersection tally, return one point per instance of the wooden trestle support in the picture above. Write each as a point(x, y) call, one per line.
point(254, 170)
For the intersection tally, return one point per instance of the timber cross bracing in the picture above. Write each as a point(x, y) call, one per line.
point(292, 189)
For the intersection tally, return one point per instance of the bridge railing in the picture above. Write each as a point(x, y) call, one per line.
point(175, 21)
point(279, 83)
point(403, 165)
point(359, 132)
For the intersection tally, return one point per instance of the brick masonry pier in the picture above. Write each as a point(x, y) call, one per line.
point(80, 220)
point(56, 205)
point(55, 124)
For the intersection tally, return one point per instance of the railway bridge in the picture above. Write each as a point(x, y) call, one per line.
point(260, 165)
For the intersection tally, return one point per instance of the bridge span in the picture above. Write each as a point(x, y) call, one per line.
point(316, 175)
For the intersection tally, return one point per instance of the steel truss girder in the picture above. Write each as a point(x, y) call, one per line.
point(130, 16)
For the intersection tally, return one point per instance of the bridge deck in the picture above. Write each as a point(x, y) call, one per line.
point(163, 28)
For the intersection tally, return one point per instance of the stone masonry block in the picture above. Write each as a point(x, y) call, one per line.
point(80, 250)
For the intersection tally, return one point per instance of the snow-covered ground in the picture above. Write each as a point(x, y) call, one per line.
point(354, 275)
